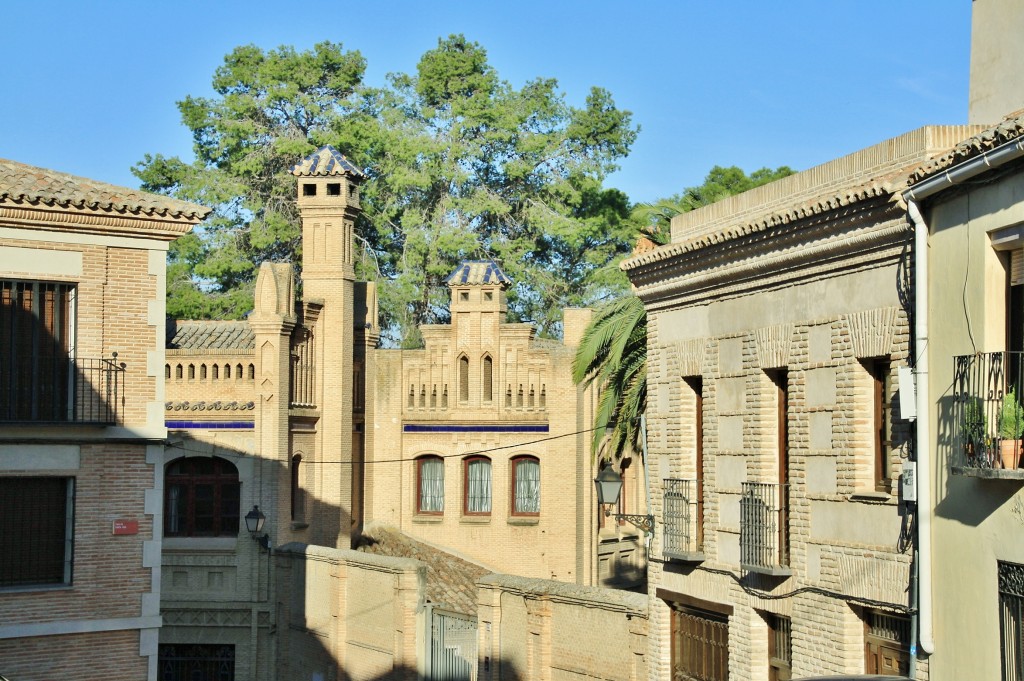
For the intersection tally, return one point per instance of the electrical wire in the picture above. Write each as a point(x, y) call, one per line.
point(764, 595)
point(206, 452)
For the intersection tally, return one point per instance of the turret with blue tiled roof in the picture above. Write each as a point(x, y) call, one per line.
point(325, 161)
point(478, 286)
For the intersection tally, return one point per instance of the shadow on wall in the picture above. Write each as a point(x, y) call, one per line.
point(967, 500)
point(41, 381)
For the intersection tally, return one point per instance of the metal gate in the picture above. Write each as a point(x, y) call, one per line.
point(451, 655)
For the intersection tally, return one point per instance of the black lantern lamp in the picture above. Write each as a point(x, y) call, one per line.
point(254, 521)
point(609, 486)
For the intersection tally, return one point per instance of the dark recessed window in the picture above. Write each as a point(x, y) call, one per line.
point(309, 190)
point(333, 189)
point(36, 539)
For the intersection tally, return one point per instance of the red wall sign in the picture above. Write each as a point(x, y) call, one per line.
point(126, 527)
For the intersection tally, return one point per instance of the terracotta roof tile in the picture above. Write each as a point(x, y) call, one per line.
point(451, 581)
point(21, 182)
point(1011, 128)
point(209, 335)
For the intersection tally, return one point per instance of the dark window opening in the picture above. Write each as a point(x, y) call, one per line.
point(36, 530)
point(333, 189)
point(202, 498)
point(309, 190)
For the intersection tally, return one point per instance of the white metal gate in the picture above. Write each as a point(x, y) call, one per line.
point(452, 650)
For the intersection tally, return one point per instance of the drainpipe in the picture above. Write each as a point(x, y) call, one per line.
point(923, 565)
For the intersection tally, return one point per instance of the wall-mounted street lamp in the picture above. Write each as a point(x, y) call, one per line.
point(254, 521)
point(609, 487)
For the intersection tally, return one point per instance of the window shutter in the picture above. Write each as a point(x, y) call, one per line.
point(1017, 267)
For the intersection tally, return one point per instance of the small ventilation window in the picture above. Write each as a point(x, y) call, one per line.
point(464, 296)
point(333, 189)
point(309, 190)
point(488, 295)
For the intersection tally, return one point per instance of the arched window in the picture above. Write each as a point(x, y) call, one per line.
point(525, 485)
point(202, 371)
point(227, 371)
point(177, 371)
point(201, 498)
point(488, 378)
point(252, 372)
point(191, 372)
point(216, 371)
point(167, 371)
point(430, 485)
point(463, 379)
point(477, 492)
point(238, 372)
point(298, 493)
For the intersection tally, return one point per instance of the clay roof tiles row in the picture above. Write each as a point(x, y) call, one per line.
point(22, 182)
point(210, 335)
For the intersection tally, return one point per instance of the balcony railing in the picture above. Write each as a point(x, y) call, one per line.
point(72, 391)
point(764, 528)
point(987, 420)
point(680, 523)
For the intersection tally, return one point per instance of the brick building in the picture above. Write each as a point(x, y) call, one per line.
point(82, 289)
point(777, 324)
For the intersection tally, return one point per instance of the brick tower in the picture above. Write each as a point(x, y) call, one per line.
point(328, 201)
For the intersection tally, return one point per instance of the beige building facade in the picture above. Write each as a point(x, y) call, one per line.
point(968, 207)
point(477, 444)
point(82, 300)
point(778, 325)
point(481, 444)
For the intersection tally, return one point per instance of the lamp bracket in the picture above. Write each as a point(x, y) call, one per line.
point(643, 522)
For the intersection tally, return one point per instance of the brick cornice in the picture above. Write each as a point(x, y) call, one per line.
point(99, 221)
point(801, 250)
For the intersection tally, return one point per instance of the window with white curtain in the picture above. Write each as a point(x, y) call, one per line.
point(526, 485)
point(478, 486)
point(430, 492)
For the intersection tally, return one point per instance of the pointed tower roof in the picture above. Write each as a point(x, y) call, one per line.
point(478, 273)
point(325, 161)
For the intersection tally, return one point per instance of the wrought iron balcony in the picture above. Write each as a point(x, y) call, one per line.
point(987, 419)
point(65, 391)
point(764, 528)
point(683, 539)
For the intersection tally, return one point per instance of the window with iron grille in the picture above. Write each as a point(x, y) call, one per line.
point(202, 498)
point(196, 662)
point(1011, 620)
point(700, 645)
point(36, 347)
point(36, 530)
point(780, 647)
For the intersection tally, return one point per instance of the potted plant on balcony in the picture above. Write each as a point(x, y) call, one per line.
point(975, 430)
point(1011, 427)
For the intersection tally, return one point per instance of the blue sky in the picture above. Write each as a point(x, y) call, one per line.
point(90, 87)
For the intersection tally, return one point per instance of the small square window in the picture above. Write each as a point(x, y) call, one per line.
point(488, 295)
point(464, 296)
point(309, 190)
point(334, 189)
